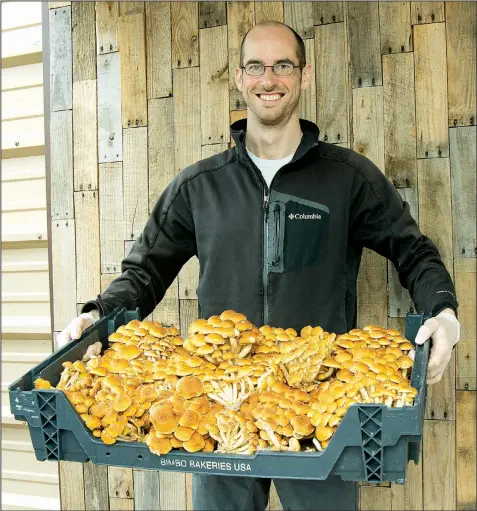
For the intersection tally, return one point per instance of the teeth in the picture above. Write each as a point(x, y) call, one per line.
point(270, 97)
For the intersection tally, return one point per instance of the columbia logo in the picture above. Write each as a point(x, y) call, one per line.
point(301, 216)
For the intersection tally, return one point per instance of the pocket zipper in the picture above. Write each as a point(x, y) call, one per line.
point(276, 220)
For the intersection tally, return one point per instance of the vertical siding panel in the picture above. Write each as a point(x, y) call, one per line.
point(61, 60)
point(185, 34)
point(111, 216)
point(214, 91)
point(240, 17)
point(299, 16)
point(87, 246)
point(120, 483)
point(427, 12)
point(85, 126)
point(159, 49)
point(83, 22)
point(377, 498)
point(461, 33)
point(395, 27)
point(463, 180)
point(327, 12)
point(331, 84)
point(364, 44)
point(146, 480)
point(268, 11)
point(132, 46)
point(72, 486)
point(431, 90)
point(308, 96)
point(466, 450)
point(127, 8)
point(107, 14)
point(135, 181)
point(96, 495)
point(212, 14)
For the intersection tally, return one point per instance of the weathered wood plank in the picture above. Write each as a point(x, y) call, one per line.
point(212, 14)
point(185, 34)
point(466, 366)
point(121, 504)
point(133, 70)
point(120, 483)
point(147, 482)
point(173, 491)
point(274, 500)
point(399, 120)
point(87, 245)
point(83, 23)
point(127, 8)
point(465, 433)
point(368, 124)
point(327, 12)
point(431, 90)
point(331, 83)
point(55, 5)
point(461, 30)
point(107, 14)
point(160, 147)
point(189, 503)
point(96, 495)
point(240, 18)
point(400, 302)
point(167, 312)
point(158, 41)
point(72, 486)
point(110, 133)
point(189, 312)
point(435, 215)
point(308, 96)
point(106, 279)
point(374, 497)
point(61, 146)
point(427, 12)
point(214, 93)
point(364, 47)
point(299, 16)
point(135, 181)
point(212, 149)
point(395, 27)
point(440, 403)
point(111, 216)
point(463, 180)
point(61, 59)
point(85, 129)
point(439, 465)
point(408, 496)
point(372, 290)
point(63, 272)
point(268, 11)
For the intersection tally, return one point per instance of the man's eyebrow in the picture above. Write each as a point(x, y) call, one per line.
point(279, 61)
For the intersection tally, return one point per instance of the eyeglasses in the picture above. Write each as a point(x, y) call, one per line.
point(280, 69)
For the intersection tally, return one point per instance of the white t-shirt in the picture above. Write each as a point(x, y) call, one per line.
point(269, 167)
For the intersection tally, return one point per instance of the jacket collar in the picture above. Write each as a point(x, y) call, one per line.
point(309, 139)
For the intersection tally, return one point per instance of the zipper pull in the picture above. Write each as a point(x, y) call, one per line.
point(266, 199)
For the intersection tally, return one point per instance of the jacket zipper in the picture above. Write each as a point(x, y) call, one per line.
point(276, 221)
point(266, 201)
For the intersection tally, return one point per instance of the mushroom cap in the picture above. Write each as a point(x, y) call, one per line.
point(40, 383)
point(323, 433)
point(163, 418)
point(195, 443)
point(158, 445)
point(121, 402)
point(302, 425)
point(183, 433)
point(190, 386)
point(190, 419)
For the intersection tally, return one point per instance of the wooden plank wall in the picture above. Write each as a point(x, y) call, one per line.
point(146, 88)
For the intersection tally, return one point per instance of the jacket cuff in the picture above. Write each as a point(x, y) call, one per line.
point(441, 306)
point(94, 304)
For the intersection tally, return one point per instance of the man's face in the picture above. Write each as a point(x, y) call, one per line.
point(272, 99)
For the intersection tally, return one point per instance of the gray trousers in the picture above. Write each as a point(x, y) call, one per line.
point(227, 493)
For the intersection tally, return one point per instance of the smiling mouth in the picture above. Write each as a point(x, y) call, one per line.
point(271, 98)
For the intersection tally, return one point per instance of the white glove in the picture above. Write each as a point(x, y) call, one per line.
point(445, 332)
point(76, 327)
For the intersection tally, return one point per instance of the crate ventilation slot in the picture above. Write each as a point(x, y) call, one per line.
point(49, 424)
point(370, 418)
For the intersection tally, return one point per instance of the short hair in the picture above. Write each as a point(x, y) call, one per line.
point(300, 45)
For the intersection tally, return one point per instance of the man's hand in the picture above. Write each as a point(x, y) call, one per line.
point(76, 327)
point(445, 332)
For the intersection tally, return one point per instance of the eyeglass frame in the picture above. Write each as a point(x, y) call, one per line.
point(276, 64)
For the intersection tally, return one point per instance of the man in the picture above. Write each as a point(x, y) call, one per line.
point(278, 224)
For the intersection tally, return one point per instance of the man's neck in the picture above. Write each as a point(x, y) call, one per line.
point(273, 142)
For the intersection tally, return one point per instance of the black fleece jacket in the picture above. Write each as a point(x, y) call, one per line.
point(287, 256)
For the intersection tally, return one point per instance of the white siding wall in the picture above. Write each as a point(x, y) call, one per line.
point(26, 340)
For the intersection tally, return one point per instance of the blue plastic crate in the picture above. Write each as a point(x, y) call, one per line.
point(372, 443)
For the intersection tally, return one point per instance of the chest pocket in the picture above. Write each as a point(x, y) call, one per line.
point(299, 233)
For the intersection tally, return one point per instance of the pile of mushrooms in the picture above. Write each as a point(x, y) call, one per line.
point(231, 387)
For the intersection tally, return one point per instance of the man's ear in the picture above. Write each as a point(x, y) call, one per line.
point(306, 76)
point(238, 78)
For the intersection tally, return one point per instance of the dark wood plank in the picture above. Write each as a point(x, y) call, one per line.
point(83, 18)
point(149, 496)
point(212, 14)
point(96, 495)
point(327, 12)
point(427, 12)
point(299, 16)
point(395, 27)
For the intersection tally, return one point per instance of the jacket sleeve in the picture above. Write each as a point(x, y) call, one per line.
point(166, 244)
point(381, 220)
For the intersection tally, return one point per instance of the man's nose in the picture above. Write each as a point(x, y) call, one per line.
point(268, 77)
